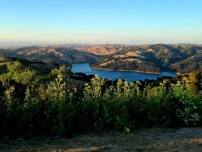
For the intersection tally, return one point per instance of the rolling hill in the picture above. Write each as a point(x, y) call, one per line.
point(154, 58)
point(141, 58)
point(100, 49)
point(192, 63)
point(60, 55)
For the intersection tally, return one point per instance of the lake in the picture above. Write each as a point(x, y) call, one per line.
point(113, 75)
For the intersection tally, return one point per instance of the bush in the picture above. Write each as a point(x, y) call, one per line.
point(33, 104)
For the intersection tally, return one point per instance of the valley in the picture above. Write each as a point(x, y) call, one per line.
point(152, 59)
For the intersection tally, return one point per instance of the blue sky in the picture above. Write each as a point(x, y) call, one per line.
point(100, 21)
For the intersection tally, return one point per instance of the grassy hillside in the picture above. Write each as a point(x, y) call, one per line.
point(189, 64)
point(154, 58)
point(100, 49)
point(182, 58)
point(58, 55)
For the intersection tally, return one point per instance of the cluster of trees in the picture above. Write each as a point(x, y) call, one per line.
point(128, 64)
point(34, 104)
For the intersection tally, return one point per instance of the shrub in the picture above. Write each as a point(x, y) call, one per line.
point(33, 104)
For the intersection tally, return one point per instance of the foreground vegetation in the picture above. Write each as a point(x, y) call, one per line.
point(33, 103)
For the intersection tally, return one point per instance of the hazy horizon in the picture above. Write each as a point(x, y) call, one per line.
point(41, 44)
point(47, 22)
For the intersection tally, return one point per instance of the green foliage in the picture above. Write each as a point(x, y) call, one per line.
point(31, 104)
point(19, 73)
point(188, 113)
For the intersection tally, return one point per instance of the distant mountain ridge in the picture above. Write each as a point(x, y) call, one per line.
point(100, 49)
point(51, 54)
point(141, 58)
point(154, 58)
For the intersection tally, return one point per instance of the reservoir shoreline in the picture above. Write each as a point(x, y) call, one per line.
point(103, 69)
point(110, 74)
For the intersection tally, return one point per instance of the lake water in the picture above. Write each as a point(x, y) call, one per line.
point(113, 75)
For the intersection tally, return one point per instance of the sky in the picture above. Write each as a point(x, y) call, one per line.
point(100, 21)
